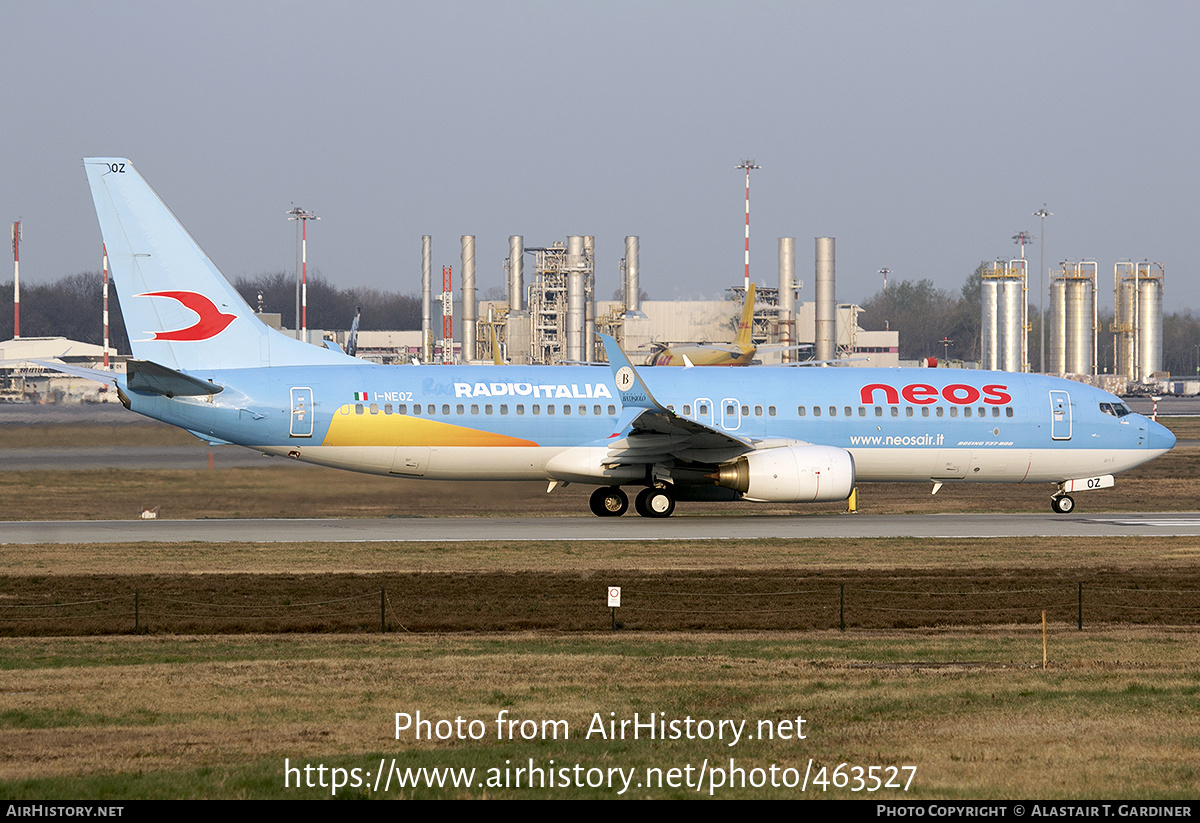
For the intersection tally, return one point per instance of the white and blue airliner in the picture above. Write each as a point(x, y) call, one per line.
point(204, 362)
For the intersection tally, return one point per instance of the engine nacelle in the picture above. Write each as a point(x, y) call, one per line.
point(791, 474)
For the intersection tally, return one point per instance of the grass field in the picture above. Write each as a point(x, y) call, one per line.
point(174, 714)
point(1113, 716)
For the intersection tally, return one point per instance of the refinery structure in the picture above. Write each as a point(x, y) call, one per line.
point(552, 314)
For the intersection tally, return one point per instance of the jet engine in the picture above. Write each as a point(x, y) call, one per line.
point(790, 474)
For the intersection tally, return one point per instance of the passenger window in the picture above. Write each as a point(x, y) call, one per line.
point(537, 408)
point(416, 408)
point(402, 408)
point(1008, 412)
point(687, 410)
point(430, 409)
point(358, 408)
point(758, 411)
point(833, 411)
point(879, 411)
point(731, 410)
point(745, 411)
point(995, 411)
point(799, 411)
point(612, 410)
point(895, 411)
point(566, 408)
point(387, 408)
point(504, 408)
point(520, 408)
point(981, 411)
point(816, 411)
point(941, 412)
point(487, 409)
point(550, 409)
point(771, 411)
point(474, 408)
point(862, 411)
point(458, 409)
point(924, 411)
point(582, 409)
point(908, 411)
point(596, 410)
point(848, 411)
point(703, 409)
point(966, 411)
point(954, 411)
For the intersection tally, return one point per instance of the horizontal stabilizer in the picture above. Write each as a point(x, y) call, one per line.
point(151, 378)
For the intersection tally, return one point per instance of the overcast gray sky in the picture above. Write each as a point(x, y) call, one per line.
point(922, 135)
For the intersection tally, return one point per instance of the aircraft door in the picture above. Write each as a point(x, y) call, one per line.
point(1060, 415)
point(302, 413)
point(731, 416)
point(704, 411)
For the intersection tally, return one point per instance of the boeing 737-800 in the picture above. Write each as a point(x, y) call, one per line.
point(205, 363)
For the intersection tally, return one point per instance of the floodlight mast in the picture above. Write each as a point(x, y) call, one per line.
point(1043, 214)
point(16, 247)
point(299, 214)
point(747, 165)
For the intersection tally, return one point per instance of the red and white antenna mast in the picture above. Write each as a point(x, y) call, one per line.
point(747, 165)
point(105, 247)
point(303, 216)
point(16, 244)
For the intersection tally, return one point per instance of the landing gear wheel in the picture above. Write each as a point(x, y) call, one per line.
point(609, 501)
point(1062, 503)
point(654, 502)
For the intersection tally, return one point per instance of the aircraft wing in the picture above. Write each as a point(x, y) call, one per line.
point(99, 375)
point(651, 433)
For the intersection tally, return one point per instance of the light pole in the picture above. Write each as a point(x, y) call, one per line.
point(747, 165)
point(1043, 214)
point(302, 216)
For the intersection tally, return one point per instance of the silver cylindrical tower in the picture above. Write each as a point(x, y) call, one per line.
point(426, 299)
point(989, 342)
point(1057, 344)
point(1080, 325)
point(1150, 338)
point(1125, 320)
point(826, 308)
point(469, 314)
point(633, 283)
point(787, 295)
point(576, 298)
point(516, 273)
point(1012, 329)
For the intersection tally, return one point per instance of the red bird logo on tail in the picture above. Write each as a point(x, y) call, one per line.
point(211, 320)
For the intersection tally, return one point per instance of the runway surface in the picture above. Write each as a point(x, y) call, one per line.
point(1116, 525)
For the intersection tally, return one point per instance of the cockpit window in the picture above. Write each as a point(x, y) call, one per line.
point(1115, 409)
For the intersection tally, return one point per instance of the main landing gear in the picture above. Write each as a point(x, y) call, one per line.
point(1062, 503)
point(611, 501)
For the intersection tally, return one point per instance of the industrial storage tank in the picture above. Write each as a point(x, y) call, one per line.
point(1003, 344)
point(1079, 319)
point(1058, 328)
point(1149, 334)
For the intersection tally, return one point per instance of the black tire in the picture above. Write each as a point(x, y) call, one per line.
point(609, 501)
point(1062, 504)
point(655, 502)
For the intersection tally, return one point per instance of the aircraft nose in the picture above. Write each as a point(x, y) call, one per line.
point(1159, 437)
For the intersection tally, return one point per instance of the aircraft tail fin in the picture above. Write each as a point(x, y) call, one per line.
point(179, 311)
point(746, 325)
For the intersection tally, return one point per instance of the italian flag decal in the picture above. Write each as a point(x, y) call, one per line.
point(362, 396)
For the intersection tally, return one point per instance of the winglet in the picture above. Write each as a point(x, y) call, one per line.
point(629, 383)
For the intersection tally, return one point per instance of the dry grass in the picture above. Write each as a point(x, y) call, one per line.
point(1112, 717)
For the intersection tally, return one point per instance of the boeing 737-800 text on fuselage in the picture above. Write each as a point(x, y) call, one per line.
point(204, 362)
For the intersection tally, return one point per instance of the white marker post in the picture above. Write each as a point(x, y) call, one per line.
point(614, 603)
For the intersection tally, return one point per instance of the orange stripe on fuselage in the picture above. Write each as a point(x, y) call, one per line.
point(350, 429)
